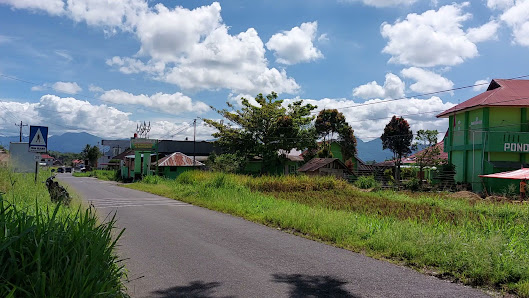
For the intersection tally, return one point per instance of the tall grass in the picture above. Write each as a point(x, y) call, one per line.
point(50, 250)
point(109, 175)
point(478, 243)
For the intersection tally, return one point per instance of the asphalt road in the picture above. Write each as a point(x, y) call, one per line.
point(174, 249)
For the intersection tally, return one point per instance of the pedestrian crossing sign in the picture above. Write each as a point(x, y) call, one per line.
point(38, 139)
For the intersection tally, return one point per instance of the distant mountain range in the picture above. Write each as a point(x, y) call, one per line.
point(67, 142)
point(75, 142)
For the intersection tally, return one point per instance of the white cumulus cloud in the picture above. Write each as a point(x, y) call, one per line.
point(53, 7)
point(297, 45)
point(176, 103)
point(481, 85)
point(426, 81)
point(434, 37)
point(67, 87)
point(187, 47)
point(69, 114)
point(500, 4)
point(393, 88)
point(517, 18)
point(368, 119)
point(485, 32)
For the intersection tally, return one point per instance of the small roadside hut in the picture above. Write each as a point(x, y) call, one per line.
point(175, 164)
point(324, 167)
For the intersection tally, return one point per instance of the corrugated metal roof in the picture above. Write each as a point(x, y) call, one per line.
point(521, 174)
point(500, 93)
point(316, 163)
point(178, 159)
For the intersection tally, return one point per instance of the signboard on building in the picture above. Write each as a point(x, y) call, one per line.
point(143, 144)
point(38, 139)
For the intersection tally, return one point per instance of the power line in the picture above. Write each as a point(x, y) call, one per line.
point(425, 94)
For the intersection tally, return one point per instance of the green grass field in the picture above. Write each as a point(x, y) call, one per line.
point(50, 250)
point(476, 242)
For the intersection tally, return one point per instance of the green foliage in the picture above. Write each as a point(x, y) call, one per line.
point(413, 184)
point(227, 163)
point(66, 158)
point(408, 173)
point(330, 122)
point(397, 137)
point(366, 182)
point(476, 242)
point(109, 175)
point(50, 250)
point(91, 153)
point(264, 129)
point(431, 154)
point(153, 179)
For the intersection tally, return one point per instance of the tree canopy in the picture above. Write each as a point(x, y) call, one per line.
point(268, 129)
point(430, 155)
point(330, 122)
point(397, 137)
point(91, 153)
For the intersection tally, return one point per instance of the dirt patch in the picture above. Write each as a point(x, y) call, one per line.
point(498, 199)
point(465, 195)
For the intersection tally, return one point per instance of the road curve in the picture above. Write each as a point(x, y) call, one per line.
point(174, 249)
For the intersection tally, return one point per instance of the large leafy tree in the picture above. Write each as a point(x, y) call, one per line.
point(331, 122)
point(91, 153)
point(397, 137)
point(267, 129)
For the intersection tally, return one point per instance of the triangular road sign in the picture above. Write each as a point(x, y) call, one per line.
point(38, 139)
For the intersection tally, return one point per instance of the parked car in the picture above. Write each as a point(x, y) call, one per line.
point(60, 170)
point(68, 170)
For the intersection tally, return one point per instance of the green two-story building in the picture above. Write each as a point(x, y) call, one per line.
point(489, 133)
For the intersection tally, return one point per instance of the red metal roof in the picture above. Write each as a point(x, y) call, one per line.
point(178, 159)
point(521, 174)
point(500, 93)
point(46, 156)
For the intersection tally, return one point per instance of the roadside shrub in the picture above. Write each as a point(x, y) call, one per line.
point(408, 173)
point(511, 191)
point(366, 182)
point(227, 163)
point(46, 254)
point(153, 179)
point(413, 184)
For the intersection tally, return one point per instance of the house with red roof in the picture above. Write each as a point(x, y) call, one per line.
point(46, 160)
point(489, 133)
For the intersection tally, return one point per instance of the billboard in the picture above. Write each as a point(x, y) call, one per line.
point(22, 161)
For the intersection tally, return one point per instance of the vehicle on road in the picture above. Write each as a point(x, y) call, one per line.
point(68, 170)
point(60, 170)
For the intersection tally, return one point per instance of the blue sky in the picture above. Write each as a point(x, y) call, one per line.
point(101, 66)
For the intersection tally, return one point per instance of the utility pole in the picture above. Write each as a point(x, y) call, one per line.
point(194, 141)
point(21, 125)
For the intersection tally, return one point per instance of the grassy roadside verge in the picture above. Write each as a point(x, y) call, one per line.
point(477, 243)
point(50, 250)
point(109, 175)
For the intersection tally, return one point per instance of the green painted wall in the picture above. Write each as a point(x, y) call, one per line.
point(504, 156)
point(173, 172)
point(491, 134)
point(505, 119)
point(457, 159)
point(459, 130)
